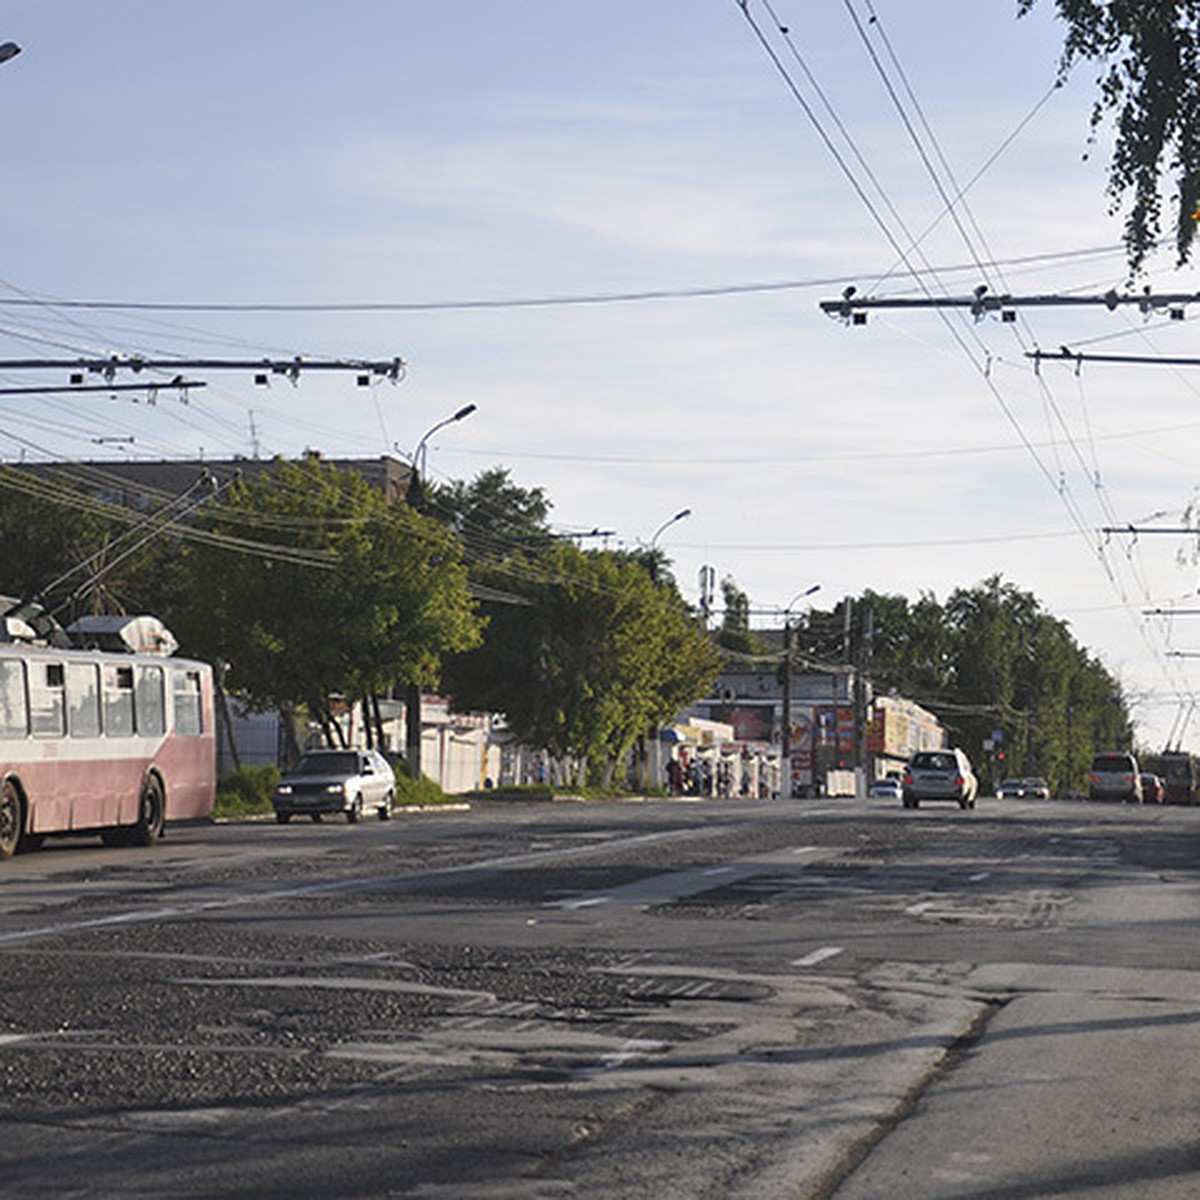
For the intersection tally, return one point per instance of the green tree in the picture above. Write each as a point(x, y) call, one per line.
point(592, 654)
point(491, 514)
point(991, 659)
point(312, 585)
point(735, 633)
point(1149, 54)
point(53, 541)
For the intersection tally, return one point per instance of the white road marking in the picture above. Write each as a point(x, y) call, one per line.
point(631, 1050)
point(917, 909)
point(977, 878)
point(586, 902)
point(817, 956)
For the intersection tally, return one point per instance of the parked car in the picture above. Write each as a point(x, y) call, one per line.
point(1115, 776)
point(887, 788)
point(336, 781)
point(1154, 789)
point(939, 775)
point(1036, 788)
point(1011, 789)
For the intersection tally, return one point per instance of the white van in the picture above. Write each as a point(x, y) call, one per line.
point(940, 775)
point(1115, 776)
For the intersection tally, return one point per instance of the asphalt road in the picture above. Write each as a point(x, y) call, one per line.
point(687, 1000)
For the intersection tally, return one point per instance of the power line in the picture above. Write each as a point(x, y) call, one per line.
point(549, 301)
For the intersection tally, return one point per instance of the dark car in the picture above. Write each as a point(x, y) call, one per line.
point(1036, 788)
point(1011, 789)
point(336, 781)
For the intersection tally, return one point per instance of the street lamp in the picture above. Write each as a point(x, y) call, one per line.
point(651, 556)
point(679, 516)
point(8, 50)
point(416, 486)
point(785, 734)
point(415, 496)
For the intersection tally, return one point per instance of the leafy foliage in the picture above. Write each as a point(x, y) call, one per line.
point(58, 546)
point(990, 660)
point(491, 514)
point(1150, 57)
point(246, 791)
point(594, 654)
point(735, 633)
point(359, 594)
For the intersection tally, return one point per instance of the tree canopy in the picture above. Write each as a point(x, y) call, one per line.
point(491, 514)
point(591, 655)
point(1149, 54)
point(990, 660)
point(341, 593)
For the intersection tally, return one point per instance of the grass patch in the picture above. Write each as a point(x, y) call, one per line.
point(246, 792)
point(420, 791)
point(525, 791)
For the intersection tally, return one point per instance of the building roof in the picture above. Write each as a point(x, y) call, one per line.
point(139, 484)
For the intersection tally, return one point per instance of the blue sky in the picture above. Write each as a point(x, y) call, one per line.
point(449, 159)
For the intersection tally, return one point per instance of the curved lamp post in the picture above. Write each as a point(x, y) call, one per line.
point(415, 496)
point(785, 734)
point(416, 485)
point(679, 516)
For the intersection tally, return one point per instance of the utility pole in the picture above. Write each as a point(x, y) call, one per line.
point(785, 732)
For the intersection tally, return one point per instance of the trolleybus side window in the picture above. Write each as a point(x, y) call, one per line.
point(83, 700)
point(187, 703)
point(47, 699)
point(151, 703)
point(14, 719)
point(118, 700)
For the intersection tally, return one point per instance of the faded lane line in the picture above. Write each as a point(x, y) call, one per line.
point(139, 916)
point(817, 956)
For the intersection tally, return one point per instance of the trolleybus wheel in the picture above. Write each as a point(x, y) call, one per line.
point(10, 819)
point(151, 814)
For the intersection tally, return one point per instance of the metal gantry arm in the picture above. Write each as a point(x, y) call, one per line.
point(292, 368)
point(853, 308)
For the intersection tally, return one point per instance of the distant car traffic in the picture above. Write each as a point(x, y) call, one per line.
point(1115, 776)
point(1011, 789)
point(887, 788)
point(1154, 790)
point(336, 781)
point(1036, 788)
point(939, 775)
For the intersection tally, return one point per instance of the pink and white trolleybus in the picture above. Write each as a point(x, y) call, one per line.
point(113, 742)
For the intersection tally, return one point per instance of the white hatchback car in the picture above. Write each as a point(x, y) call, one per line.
point(336, 781)
point(940, 775)
point(886, 788)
